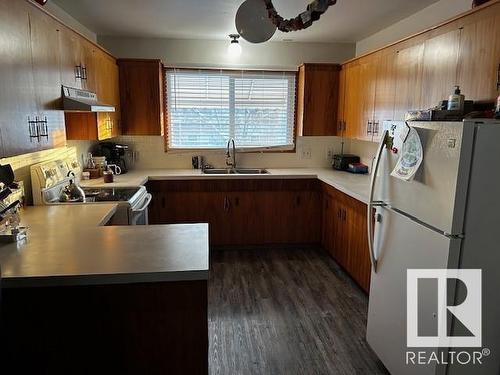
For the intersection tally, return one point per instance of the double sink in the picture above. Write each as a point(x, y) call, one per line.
point(235, 171)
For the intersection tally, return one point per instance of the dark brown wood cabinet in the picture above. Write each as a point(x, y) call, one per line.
point(242, 212)
point(344, 234)
point(142, 96)
point(250, 212)
point(317, 99)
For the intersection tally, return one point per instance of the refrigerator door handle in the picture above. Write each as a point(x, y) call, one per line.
point(371, 203)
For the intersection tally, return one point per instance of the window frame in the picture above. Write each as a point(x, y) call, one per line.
point(253, 150)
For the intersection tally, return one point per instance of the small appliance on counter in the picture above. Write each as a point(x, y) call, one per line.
point(357, 168)
point(341, 161)
point(114, 154)
point(11, 198)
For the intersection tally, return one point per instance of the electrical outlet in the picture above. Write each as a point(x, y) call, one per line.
point(329, 153)
point(306, 153)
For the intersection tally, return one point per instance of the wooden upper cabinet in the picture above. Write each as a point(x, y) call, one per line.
point(17, 97)
point(70, 58)
point(385, 91)
point(141, 96)
point(439, 69)
point(318, 89)
point(44, 35)
point(352, 99)
point(89, 64)
point(409, 70)
point(479, 62)
point(367, 84)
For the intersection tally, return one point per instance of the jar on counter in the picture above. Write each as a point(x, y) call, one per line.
point(108, 176)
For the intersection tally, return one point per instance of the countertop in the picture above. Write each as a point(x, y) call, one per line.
point(354, 185)
point(68, 245)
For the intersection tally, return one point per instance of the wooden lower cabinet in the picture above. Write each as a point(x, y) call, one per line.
point(137, 328)
point(242, 212)
point(344, 234)
point(270, 212)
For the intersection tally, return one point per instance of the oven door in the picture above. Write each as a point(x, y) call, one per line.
point(138, 214)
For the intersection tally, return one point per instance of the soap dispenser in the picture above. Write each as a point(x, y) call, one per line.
point(456, 101)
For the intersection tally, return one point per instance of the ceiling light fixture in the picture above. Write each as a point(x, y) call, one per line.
point(234, 48)
point(257, 20)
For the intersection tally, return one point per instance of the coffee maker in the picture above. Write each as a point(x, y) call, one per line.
point(113, 152)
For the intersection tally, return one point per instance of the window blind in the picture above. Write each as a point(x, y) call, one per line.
point(207, 107)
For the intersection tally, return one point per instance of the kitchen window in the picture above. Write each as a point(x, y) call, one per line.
point(207, 107)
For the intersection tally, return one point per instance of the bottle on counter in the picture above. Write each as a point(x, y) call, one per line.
point(456, 101)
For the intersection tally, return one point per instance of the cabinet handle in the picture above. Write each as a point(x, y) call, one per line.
point(375, 127)
point(344, 128)
point(33, 128)
point(344, 215)
point(339, 213)
point(42, 128)
point(84, 73)
point(369, 127)
point(339, 126)
point(78, 72)
point(498, 78)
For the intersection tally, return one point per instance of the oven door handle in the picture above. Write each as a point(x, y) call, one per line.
point(145, 205)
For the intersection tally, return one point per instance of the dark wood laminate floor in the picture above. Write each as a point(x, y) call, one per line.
point(286, 312)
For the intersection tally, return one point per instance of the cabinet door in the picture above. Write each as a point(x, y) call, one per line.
point(368, 74)
point(89, 63)
point(107, 90)
point(141, 96)
point(440, 63)
point(70, 54)
point(17, 95)
point(353, 95)
point(341, 103)
point(44, 34)
point(320, 99)
point(409, 64)
point(479, 62)
point(385, 91)
point(356, 242)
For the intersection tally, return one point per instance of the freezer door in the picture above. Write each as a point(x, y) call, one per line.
point(437, 194)
point(402, 244)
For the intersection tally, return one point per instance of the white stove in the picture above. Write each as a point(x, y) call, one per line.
point(48, 179)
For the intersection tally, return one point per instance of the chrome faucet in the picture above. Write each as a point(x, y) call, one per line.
point(231, 159)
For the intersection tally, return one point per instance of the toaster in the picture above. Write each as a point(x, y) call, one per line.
point(341, 161)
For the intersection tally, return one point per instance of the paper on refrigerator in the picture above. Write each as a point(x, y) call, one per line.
point(411, 158)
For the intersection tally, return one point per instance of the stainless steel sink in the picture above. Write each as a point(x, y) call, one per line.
point(235, 171)
point(219, 171)
point(251, 171)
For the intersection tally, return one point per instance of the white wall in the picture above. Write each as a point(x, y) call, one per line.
point(213, 53)
point(427, 17)
point(67, 19)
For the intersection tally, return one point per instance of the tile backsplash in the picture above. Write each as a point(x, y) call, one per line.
point(148, 152)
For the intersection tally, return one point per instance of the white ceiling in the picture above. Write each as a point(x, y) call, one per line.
point(347, 21)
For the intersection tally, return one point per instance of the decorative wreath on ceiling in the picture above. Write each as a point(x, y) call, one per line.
point(305, 19)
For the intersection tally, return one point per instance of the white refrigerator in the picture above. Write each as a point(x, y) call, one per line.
point(447, 217)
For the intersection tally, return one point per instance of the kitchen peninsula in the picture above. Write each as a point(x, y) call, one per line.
point(79, 295)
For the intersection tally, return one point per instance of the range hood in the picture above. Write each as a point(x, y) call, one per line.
point(76, 100)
